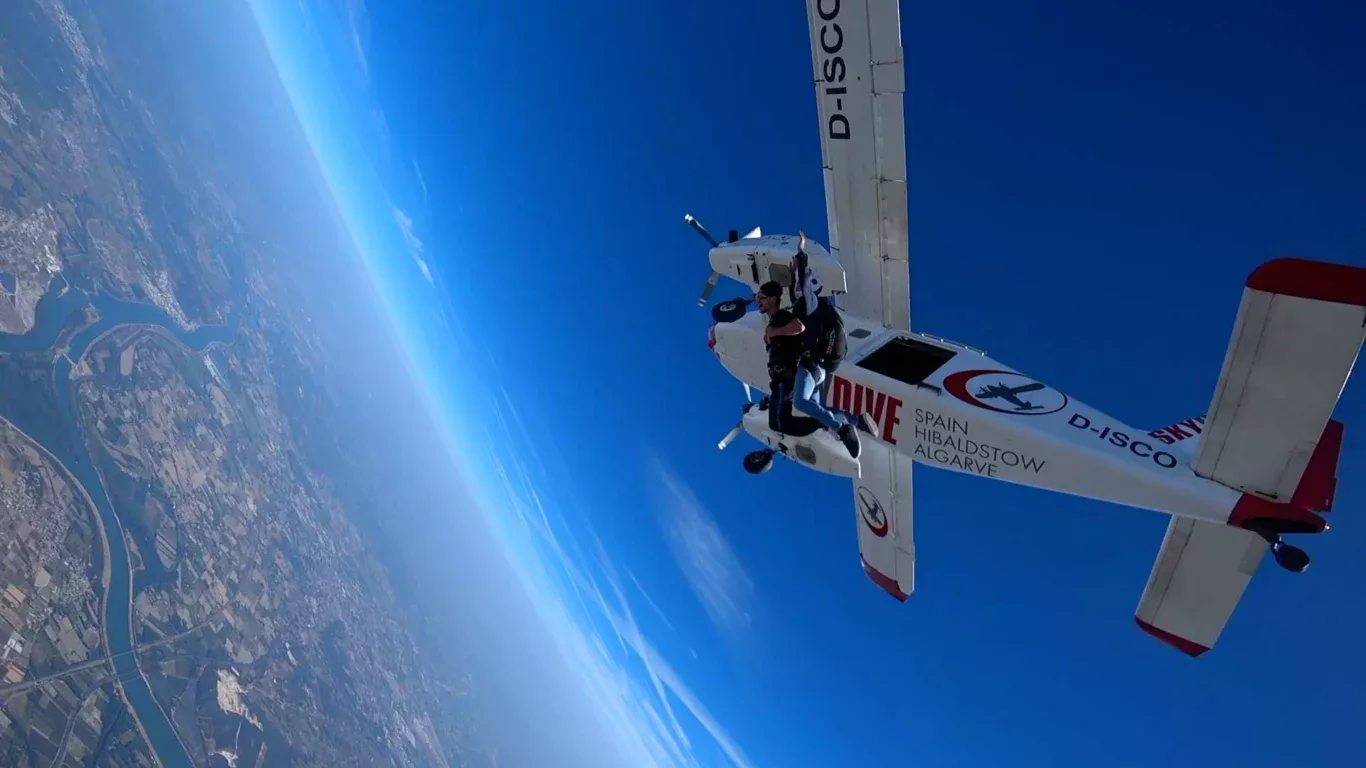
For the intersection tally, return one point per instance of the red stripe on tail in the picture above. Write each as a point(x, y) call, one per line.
point(1188, 647)
point(1319, 483)
point(1313, 495)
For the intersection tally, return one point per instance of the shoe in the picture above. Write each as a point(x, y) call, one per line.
point(849, 437)
point(866, 423)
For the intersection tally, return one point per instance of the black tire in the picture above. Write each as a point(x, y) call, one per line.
point(729, 311)
point(758, 462)
point(1290, 557)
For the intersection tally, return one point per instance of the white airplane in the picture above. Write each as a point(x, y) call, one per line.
point(1261, 464)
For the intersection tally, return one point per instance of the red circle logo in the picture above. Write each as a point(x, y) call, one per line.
point(1005, 392)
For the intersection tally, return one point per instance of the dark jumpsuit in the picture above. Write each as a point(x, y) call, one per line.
point(784, 353)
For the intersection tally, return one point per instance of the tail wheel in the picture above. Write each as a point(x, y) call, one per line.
point(1290, 557)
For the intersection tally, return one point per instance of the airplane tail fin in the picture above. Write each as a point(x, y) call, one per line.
point(1319, 483)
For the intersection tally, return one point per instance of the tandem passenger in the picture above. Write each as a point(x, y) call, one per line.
point(823, 347)
point(786, 342)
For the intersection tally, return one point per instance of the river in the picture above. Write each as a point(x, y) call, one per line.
point(52, 313)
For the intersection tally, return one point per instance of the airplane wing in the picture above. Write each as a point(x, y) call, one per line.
point(860, 80)
point(883, 507)
point(1298, 330)
point(1197, 581)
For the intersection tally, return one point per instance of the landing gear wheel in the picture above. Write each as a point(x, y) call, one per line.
point(1290, 557)
point(729, 311)
point(758, 462)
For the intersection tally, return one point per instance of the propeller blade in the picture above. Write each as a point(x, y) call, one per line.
point(731, 435)
point(711, 286)
point(748, 397)
point(701, 230)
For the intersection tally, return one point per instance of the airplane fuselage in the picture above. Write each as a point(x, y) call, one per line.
point(949, 406)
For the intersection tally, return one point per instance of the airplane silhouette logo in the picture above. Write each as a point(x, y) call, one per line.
point(1011, 395)
point(872, 512)
point(1004, 392)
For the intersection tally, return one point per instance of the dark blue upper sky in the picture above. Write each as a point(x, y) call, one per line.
point(1090, 184)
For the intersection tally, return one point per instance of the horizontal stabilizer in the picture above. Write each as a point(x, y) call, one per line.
point(1299, 328)
point(1196, 583)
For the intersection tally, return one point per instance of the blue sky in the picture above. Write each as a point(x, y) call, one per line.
point(1090, 185)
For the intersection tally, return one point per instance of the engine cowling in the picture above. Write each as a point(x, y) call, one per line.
point(756, 260)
